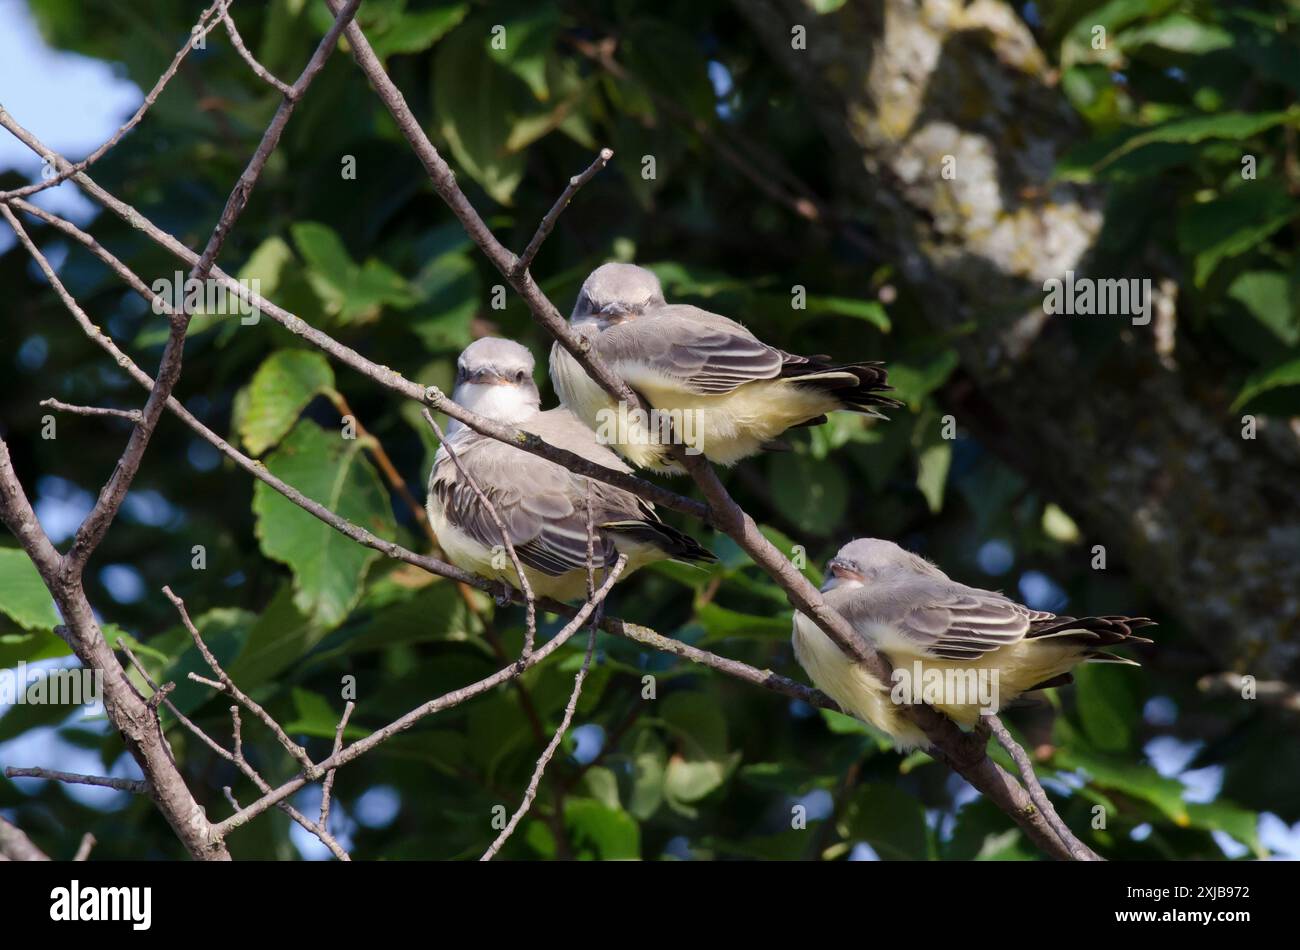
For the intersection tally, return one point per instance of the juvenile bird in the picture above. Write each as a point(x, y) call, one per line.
point(974, 650)
point(542, 504)
point(714, 386)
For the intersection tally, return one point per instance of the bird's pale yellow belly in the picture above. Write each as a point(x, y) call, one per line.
point(1018, 667)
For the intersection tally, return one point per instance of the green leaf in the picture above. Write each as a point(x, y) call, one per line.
point(932, 464)
point(1231, 819)
point(1139, 781)
point(813, 496)
point(869, 310)
point(473, 103)
point(913, 380)
point(327, 567)
point(278, 638)
point(528, 41)
point(601, 832)
point(313, 716)
point(1177, 32)
point(1270, 298)
point(416, 31)
point(1108, 706)
point(649, 766)
point(349, 292)
point(18, 648)
point(281, 389)
point(888, 819)
point(721, 623)
point(24, 599)
point(1233, 224)
point(1234, 126)
point(1284, 374)
point(702, 764)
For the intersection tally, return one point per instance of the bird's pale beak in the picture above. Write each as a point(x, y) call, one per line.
point(844, 570)
point(615, 312)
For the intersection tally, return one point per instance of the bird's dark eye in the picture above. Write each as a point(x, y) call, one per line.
point(519, 376)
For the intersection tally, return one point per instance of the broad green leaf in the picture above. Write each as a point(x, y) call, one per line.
point(23, 595)
point(1270, 297)
point(281, 389)
point(1284, 374)
point(1108, 706)
point(932, 464)
point(600, 832)
point(721, 623)
point(280, 636)
point(815, 496)
point(416, 30)
point(525, 44)
point(473, 103)
point(1139, 781)
point(1233, 126)
point(702, 764)
point(913, 380)
point(1233, 224)
point(18, 648)
point(350, 292)
point(649, 766)
point(313, 716)
point(869, 310)
point(1177, 32)
point(328, 568)
point(888, 819)
point(1238, 822)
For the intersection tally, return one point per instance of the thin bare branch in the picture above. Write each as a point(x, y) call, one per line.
point(16, 846)
point(1078, 850)
point(134, 786)
point(544, 229)
point(237, 42)
point(130, 415)
point(87, 844)
point(328, 785)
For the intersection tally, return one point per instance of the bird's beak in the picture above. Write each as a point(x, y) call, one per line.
point(843, 570)
point(488, 377)
point(615, 312)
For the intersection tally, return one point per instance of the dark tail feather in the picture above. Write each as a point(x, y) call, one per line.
point(1060, 679)
point(1093, 632)
point(676, 544)
point(859, 386)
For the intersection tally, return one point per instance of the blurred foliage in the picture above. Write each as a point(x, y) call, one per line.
point(708, 768)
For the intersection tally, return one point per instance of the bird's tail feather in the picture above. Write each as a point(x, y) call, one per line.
point(858, 386)
point(676, 544)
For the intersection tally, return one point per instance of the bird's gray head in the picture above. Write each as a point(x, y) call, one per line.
point(494, 377)
point(615, 292)
point(868, 560)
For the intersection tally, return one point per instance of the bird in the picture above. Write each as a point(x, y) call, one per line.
point(713, 386)
point(936, 632)
point(542, 504)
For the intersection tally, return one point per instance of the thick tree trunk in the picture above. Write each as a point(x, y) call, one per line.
point(1136, 442)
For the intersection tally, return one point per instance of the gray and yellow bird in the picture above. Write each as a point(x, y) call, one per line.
point(543, 505)
point(923, 623)
point(730, 394)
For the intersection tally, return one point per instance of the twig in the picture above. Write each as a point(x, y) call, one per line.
point(525, 259)
point(1078, 850)
point(237, 760)
point(202, 28)
point(328, 785)
point(131, 415)
point(16, 846)
point(446, 701)
point(134, 786)
point(88, 843)
point(238, 43)
point(225, 684)
point(554, 744)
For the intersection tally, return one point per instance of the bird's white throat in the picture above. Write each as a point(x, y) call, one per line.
point(510, 405)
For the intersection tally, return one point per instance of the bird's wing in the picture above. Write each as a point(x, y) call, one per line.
point(705, 352)
point(961, 623)
point(542, 505)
